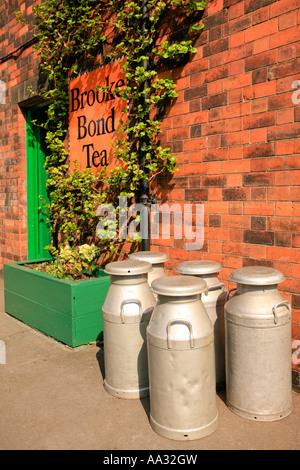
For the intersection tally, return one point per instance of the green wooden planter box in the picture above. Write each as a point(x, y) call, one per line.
point(69, 311)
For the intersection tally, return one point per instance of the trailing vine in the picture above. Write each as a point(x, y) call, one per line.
point(154, 36)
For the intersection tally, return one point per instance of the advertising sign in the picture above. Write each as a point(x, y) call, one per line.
point(94, 116)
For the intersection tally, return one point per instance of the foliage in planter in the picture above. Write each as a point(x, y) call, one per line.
point(154, 36)
point(72, 263)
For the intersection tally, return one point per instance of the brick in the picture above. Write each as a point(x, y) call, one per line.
point(260, 90)
point(261, 30)
point(219, 181)
point(259, 208)
point(238, 81)
point(212, 207)
point(236, 221)
point(284, 208)
point(236, 234)
point(195, 92)
point(215, 33)
point(296, 301)
point(216, 74)
point(216, 19)
point(283, 132)
point(215, 154)
point(284, 163)
point(195, 144)
point(235, 138)
point(258, 179)
point(215, 114)
point(257, 262)
point(280, 101)
point(283, 254)
point(283, 6)
point(290, 224)
point(195, 118)
point(236, 166)
point(285, 37)
point(196, 195)
point(258, 237)
point(194, 169)
point(213, 101)
point(258, 223)
point(239, 24)
point(283, 69)
point(217, 127)
point(237, 39)
point(251, 6)
point(237, 249)
point(178, 134)
point(287, 52)
point(215, 47)
point(258, 251)
point(235, 208)
point(259, 120)
point(214, 220)
point(236, 10)
point(261, 15)
point(259, 106)
point(282, 239)
point(259, 76)
point(234, 194)
point(260, 60)
point(237, 53)
point(217, 233)
point(236, 110)
point(265, 149)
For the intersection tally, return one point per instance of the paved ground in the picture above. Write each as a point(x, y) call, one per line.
point(52, 397)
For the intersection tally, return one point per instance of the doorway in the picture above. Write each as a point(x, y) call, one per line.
point(39, 234)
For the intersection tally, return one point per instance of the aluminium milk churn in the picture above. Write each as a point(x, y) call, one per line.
point(156, 259)
point(213, 300)
point(181, 361)
point(258, 346)
point(126, 312)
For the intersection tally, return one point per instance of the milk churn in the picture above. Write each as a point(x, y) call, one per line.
point(213, 301)
point(258, 346)
point(156, 259)
point(181, 361)
point(126, 312)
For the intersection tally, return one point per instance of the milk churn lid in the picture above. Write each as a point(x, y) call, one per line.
point(197, 267)
point(257, 275)
point(152, 257)
point(128, 268)
point(179, 286)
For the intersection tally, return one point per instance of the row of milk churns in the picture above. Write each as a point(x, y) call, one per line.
point(181, 338)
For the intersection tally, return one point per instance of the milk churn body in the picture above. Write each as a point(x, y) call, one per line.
point(181, 361)
point(126, 312)
point(156, 259)
point(213, 300)
point(258, 346)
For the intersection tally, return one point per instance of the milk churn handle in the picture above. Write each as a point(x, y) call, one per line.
point(213, 287)
point(281, 304)
point(181, 321)
point(128, 301)
point(230, 290)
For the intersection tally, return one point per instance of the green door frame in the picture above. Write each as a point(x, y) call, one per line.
point(38, 228)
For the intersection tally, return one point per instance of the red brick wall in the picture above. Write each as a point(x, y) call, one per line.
point(17, 71)
point(235, 131)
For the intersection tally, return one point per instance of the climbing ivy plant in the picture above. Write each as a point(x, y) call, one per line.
point(154, 36)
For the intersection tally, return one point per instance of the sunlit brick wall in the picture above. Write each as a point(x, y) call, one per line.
point(18, 70)
point(235, 130)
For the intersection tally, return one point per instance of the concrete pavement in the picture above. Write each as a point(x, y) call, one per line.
point(52, 398)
